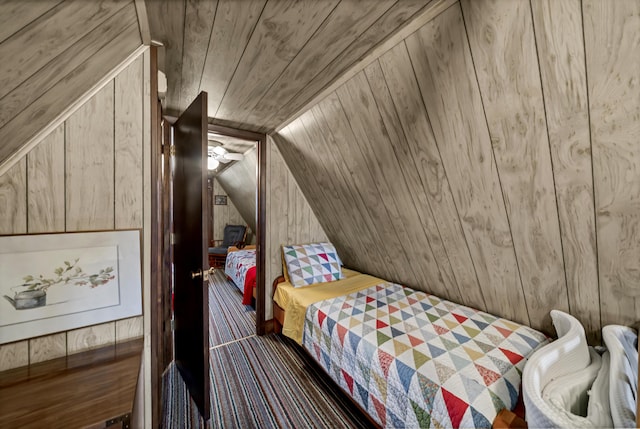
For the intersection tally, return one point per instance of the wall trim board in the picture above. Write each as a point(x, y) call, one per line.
point(143, 21)
point(429, 12)
point(66, 113)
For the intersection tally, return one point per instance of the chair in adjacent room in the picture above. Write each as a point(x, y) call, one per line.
point(234, 235)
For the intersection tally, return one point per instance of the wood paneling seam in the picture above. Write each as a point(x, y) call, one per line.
point(273, 81)
point(64, 176)
point(416, 21)
point(53, 6)
point(66, 113)
point(240, 59)
point(493, 160)
point(593, 176)
point(375, 100)
point(455, 205)
point(204, 63)
point(553, 175)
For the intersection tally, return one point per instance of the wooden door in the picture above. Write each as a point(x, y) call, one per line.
point(191, 306)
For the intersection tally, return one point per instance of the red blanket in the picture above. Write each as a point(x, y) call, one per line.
point(249, 284)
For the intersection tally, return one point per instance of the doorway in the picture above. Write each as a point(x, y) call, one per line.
point(166, 155)
point(229, 175)
point(234, 139)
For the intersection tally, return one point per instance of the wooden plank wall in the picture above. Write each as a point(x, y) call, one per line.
point(224, 215)
point(289, 218)
point(86, 175)
point(53, 53)
point(240, 182)
point(491, 158)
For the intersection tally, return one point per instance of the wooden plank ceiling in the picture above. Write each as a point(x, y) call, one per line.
point(261, 61)
point(52, 53)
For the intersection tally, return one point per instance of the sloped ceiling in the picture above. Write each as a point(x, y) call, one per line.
point(52, 53)
point(240, 183)
point(262, 60)
point(491, 158)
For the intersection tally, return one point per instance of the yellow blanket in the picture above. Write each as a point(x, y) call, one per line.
point(295, 300)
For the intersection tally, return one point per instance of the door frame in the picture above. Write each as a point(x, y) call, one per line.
point(161, 349)
point(261, 141)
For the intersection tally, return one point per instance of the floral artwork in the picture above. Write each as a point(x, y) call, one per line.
point(32, 293)
point(56, 282)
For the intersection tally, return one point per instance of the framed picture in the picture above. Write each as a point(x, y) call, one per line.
point(57, 282)
point(220, 200)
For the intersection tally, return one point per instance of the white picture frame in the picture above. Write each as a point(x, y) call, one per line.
point(57, 282)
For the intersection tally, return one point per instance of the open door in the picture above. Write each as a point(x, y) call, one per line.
point(191, 305)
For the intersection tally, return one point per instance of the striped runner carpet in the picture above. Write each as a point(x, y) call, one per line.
point(178, 409)
point(267, 382)
point(229, 320)
point(256, 382)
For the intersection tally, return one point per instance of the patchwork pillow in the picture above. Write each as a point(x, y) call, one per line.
point(285, 272)
point(312, 263)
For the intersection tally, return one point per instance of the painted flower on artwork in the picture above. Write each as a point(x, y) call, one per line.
point(69, 273)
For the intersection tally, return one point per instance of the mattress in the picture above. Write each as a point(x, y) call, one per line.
point(411, 359)
point(240, 267)
point(295, 300)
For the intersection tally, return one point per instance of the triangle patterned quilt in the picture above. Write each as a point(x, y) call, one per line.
point(411, 359)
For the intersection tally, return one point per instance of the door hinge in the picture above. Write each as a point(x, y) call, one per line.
point(124, 419)
point(172, 150)
point(172, 239)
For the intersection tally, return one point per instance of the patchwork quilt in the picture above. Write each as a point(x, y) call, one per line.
point(411, 359)
point(240, 267)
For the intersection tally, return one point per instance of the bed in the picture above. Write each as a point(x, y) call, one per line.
point(407, 358)
point(240, 268)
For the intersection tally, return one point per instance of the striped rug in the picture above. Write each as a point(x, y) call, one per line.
point(267, 382)
point(256, 382)
point(229, 320)
point(178, 409)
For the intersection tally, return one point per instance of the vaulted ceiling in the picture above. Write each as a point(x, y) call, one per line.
point(262, 61)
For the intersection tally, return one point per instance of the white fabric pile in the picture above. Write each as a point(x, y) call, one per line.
point(569, 384)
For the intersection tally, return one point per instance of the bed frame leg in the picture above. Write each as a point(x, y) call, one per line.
point(507, 419)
